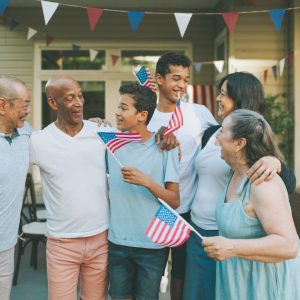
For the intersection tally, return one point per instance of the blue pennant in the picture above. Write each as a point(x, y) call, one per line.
point(3, 4)
point(277, 17)
point(135, 18)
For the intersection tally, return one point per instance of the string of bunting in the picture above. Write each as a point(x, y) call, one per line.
point(135, 18)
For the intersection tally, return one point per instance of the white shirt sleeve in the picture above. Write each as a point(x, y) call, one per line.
point(204, 115)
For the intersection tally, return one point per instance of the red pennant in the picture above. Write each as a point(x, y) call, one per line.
point(230, 19)
point(49, 39)
point(94, 14)
point(114, 59)
point(265, 76)
point(290, 59)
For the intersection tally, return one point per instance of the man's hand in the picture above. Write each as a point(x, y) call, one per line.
point(166, 142)
point(134, 176)
point(100, 121)
point(264, 169)
point(218, 247)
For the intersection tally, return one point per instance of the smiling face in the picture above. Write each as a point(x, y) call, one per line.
point(68, 100)
point(18, 107)
point(127, 116)
point(175, 82)
point(225, 103)
point(224, 139)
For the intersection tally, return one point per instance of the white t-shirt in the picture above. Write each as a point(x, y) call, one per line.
point(196, 118)
point(73, 173)
point(213, 174)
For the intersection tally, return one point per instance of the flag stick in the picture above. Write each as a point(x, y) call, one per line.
point(183, 220)
point(119, 163)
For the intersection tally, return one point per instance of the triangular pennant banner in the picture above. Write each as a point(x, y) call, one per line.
point(59, 62)
point(230, 20)
point(93, 54)
point(114, 59)
point(94, 14)
point(281, 66)
point(75, 47)
point(49, 9)
point(277, 17)
point(291, 58)
point(31, 32)
point(135, 19)
point(219, 64)
point(183, 21)
point(197, 66)
point(3, 5)
point(274, 69)
point(49, 39)
point(265, 76)
point(13, 24)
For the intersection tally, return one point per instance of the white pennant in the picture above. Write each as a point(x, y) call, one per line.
point(183, 21)
point(31, 33)
point(281, 66)
point(197, 66)
point(49, 9)
point(219, 64)
point(93, 54)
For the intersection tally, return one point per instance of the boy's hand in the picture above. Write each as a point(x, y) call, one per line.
point(264, 169)
point(100, 121)
point(167, 142)
point(134, 176)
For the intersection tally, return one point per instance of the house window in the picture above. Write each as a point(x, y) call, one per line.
point(72, 60)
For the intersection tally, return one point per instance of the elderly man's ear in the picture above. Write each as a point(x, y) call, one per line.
point(3, 106)
point(52, 103)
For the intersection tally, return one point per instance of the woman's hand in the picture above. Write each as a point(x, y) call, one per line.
point(218, 247)
point(134, 176)
point(264, 169)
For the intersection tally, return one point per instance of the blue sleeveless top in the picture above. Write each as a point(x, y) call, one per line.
point(243, 279)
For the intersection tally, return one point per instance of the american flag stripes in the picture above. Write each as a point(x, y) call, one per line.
point(168, 228)
point(144, 78)
point(115, 140)
point(206, 95)
point(176, 120)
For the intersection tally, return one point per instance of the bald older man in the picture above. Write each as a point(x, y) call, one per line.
point(14, 135)
point(71, 159)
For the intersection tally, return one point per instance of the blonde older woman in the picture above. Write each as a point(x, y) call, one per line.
point(258, 243)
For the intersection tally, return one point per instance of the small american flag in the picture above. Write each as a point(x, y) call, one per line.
point(115, 140)
point(176, 120)
point(144, 78)
point(167, 228)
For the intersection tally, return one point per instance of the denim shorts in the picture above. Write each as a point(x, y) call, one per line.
point(135, 272)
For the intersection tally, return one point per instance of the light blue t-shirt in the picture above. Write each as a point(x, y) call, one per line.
point(14, 157)
point(132, 207)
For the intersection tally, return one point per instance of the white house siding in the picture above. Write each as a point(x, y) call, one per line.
point(16, 55)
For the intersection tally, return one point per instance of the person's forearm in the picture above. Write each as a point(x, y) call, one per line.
point(272, 248)
point(169, 196)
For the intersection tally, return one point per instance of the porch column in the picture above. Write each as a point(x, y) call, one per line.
point(297, 91)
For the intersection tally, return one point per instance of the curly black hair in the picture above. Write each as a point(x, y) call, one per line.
point(145, 99)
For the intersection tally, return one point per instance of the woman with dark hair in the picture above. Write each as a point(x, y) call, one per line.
point(258, 242)
point(237, 90)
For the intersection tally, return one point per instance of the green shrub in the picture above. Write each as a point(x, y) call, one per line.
point(282, 122)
